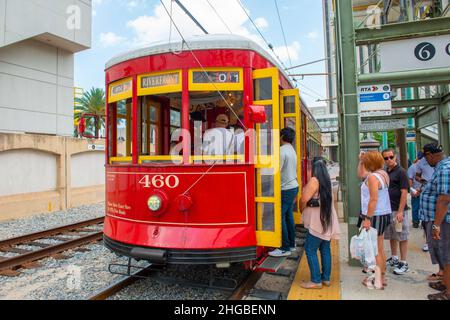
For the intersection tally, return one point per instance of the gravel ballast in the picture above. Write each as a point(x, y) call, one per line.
point(83, 274)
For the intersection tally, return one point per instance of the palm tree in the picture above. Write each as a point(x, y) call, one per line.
point(92, 102)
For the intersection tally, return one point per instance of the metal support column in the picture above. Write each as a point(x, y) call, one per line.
point(443, 127)
point(400, 137)
point(350, 125)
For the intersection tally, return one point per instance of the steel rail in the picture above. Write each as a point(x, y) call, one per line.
point(246, 285)
point(47, 233)
point(19, 260)
point(119, 285)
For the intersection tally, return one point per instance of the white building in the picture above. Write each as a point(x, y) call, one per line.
point(38, 40)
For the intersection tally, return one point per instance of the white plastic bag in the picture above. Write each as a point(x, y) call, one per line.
point(364, 247)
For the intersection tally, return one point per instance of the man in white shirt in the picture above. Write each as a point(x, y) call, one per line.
point(219, 141)
point(289, 190)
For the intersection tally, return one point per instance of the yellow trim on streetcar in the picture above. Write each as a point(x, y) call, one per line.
point(227, 86)
point(120, 160)
point(160, 158)
point(163, 88)
point(123, 95)
point(269, 238)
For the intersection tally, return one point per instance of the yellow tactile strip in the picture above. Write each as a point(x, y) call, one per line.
point(326, 293)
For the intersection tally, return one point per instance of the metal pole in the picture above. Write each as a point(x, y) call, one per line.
point(190, 16)
point(443, 124)
point(350, 125)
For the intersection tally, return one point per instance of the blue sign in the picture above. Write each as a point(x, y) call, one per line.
point(375, 97)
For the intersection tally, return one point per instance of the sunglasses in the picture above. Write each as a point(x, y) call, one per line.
point(389, 158)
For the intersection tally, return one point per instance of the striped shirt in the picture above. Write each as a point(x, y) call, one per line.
point(439, 184)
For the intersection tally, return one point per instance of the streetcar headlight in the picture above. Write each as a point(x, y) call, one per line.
point(154, 203)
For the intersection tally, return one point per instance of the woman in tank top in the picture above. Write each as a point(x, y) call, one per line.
point(375, 209)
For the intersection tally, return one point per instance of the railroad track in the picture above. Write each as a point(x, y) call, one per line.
point(65, 237)
point(236, 294)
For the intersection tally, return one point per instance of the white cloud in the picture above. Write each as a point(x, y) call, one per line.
point(313, 35)
point(155, 28)
point(149, 29)
point(294, 52)
point(261, 23)
point(110, 39)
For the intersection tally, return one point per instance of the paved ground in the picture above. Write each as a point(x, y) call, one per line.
point(411, 286)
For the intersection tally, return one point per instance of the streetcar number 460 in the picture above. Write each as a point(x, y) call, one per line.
point(159, 181)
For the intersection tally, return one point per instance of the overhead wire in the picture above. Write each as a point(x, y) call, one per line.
point(262, 36)
point(215, 87)
point(220, 17)
point(282, 31)
point(200, 64)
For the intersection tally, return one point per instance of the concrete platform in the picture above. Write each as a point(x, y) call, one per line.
point(411, 286)
point(346, 280)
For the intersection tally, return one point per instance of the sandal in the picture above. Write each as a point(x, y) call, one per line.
point(439, 286)
point(439, 296)
point(310, 285)
point(383, 275)
point(435, 277)
point(367, 270)
point(370, 283)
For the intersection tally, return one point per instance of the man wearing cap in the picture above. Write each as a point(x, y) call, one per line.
point(415, 188)
point(435, 211)
point(219, 141)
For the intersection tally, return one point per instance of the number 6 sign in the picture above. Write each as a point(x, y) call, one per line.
point(425, 51)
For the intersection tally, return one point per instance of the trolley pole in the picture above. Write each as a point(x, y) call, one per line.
point(350, 118)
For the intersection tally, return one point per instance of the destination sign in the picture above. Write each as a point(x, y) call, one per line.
point(216, 77)
point(160, 80)
point(121, 88)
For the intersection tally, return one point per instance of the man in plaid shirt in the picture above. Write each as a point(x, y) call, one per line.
point(435, 212)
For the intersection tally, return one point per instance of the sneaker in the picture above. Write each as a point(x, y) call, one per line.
point(392, 262)
point(401, 269)
point(416, 225)
point(425, 248)
point(279, 253)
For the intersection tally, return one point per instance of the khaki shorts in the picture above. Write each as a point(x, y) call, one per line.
point(391, 234)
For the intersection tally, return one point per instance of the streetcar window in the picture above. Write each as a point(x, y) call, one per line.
point(263, 89)
point(289, 104)
point(265, 134)
point(160, 118)
point(291, 123)
point(122, 130)
point(205, 108)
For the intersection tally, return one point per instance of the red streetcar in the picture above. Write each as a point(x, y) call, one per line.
point(165, 202)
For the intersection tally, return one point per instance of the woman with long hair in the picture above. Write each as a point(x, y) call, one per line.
point(320, 218)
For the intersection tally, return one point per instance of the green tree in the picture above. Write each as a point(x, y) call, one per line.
point(391, 138)
point(92, 102)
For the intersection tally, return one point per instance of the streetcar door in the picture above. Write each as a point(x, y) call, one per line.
point(267, 159)
point(290, 117)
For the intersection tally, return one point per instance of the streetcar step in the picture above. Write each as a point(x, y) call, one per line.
point(271, 264)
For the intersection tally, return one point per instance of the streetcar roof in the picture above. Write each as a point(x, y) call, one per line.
point(201, 42)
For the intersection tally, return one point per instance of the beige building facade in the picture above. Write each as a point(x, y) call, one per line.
point(43, 169)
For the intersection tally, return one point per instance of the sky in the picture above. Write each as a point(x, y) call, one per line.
point(122, 25)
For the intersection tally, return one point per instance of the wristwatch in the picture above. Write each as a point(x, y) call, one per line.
point(368, 218)
point(435, 227)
